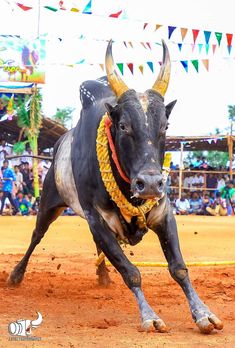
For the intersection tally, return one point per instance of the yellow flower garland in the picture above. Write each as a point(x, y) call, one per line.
point(126, 208)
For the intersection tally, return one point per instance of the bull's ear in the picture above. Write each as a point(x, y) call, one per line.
point(109, 107)
point(169, 108)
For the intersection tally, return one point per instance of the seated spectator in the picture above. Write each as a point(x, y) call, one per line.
point(195, 203)
point(218, 207)
point(22, 204)
point(211, 182)
point(182, 205)
point(198, 181)
point(204, 164)
point(19, 179)
point(207, 201)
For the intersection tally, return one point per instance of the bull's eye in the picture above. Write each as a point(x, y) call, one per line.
point(122, 126)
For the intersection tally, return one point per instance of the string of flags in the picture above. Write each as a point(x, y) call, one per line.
point(183, 32)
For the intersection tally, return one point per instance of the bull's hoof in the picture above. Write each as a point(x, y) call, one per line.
point(154, 325)
point(208, 323)
point(15, 278)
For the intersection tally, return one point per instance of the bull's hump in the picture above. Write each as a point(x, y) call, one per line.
point(93, 91)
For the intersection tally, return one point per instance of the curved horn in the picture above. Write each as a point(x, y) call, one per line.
point(116, 83)
point(38, 321)
point(162, 81)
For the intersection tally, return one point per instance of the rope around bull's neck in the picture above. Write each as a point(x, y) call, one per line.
point(126, 208)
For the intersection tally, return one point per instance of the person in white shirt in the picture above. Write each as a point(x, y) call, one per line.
point(197, 181)
point(233, 164)
point(220, 182)
point(182, 205)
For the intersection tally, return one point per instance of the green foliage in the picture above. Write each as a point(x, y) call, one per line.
point(63, 116)
point(18, 148)
point(23, 120)
point(214, 159)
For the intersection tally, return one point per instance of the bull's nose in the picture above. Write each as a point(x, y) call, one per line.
point(148, 185)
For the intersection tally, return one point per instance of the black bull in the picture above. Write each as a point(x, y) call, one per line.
point(139, 122)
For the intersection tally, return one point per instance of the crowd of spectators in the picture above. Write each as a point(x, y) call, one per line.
point(211, 193)
point(16, 182)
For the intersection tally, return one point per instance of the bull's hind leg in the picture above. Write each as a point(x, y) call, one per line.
point(51, 207)
point(102, 271)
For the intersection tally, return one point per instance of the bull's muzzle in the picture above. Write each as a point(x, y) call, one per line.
point(147, 185)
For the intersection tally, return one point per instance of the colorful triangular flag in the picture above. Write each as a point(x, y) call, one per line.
point(180, 46)
point(157, 26)
point(229, 39)
point(200, 48)
point(214, 48)
point(185, 64)
point(150, 64)
point(195, 64)
point(207, 35)
point(51, 8)
point(206, 63)
point(23, 7)
point(115, 15)
point(218, 37)
point(120, 67)
point(87, 9)
point(195, 34)
point(183, 32)
point(141, 68)
point(130, 66)
point(207, 48)
point(170, 31)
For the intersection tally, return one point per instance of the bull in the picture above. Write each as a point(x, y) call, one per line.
point(108, 169)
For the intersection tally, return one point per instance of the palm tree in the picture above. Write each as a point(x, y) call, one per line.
point(30, 120)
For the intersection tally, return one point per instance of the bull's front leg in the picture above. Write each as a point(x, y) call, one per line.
point(168, 236)
point(106, 241)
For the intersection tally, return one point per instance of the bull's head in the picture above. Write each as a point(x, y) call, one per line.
point(139, 128)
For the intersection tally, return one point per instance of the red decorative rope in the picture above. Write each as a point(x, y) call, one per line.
point(108, 124)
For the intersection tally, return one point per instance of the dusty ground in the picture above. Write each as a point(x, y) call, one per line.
point(61, 284)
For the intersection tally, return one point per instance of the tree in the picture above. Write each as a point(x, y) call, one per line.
point(64, 116)
point(231, 116)
point(30, 120)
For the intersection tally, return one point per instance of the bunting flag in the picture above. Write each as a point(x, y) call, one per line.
point(185, 64)
point(115, 15)
point(200, 48)
point(74, 9)
point(180, 46)
point(218, 37)
point(23, 7)
point(195, 64)
point(207, 48)
point(157, 26)
point(195, 34)
point(148, 44)
point(229, 39)
point(150, 64)
point(102, 66)
point(51, 8)
point(183, 32)
point(145, 25)
point(207, 35)
point(229, 49)
point(193, 46)
point(131, 67)
point(87, 9)
point(120, 67)
point(170, 31)
point(213, 48)
point(206, 63)
point(141, 68)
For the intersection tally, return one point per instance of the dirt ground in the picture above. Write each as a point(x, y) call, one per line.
point(61, 284)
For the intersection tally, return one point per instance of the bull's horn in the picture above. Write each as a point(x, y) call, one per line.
point(116, 83)
point(38, 321)
point(162, 81)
